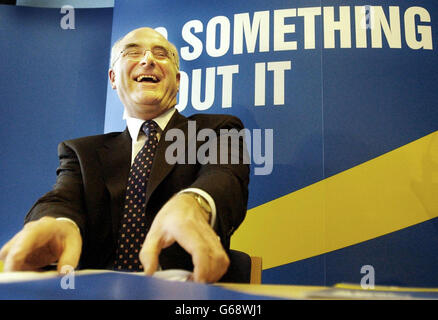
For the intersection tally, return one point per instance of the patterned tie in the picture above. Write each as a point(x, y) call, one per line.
point(132, 227)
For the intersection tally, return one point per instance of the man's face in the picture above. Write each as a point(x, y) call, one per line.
point(144, 74)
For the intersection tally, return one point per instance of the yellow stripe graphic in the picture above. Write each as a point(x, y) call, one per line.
point(391, 192)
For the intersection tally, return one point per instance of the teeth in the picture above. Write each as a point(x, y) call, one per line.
point(143, 76)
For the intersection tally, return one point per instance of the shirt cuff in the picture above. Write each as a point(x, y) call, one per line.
point(70, 220)
point(209, 199)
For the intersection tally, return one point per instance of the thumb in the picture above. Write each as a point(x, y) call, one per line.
point(149, 257)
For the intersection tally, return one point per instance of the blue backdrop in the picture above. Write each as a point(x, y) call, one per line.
point(52, 88)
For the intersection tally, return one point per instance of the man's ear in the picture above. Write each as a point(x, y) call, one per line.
point(112, 78)
point(178, 78)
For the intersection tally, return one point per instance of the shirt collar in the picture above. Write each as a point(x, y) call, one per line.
point(134, 124)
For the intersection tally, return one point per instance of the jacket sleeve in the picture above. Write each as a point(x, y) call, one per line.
point(226, 181)
point(66, 198)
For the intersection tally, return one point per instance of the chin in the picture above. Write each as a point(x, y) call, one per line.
point(148, 102)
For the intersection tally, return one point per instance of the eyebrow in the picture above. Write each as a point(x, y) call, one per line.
point(135, 45)
point(130, 45)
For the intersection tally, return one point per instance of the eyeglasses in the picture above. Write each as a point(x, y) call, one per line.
point(134, 53)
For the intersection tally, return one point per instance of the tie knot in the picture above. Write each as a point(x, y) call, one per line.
point(149, 126)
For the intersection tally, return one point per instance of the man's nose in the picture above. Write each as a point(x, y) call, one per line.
point(147, 59)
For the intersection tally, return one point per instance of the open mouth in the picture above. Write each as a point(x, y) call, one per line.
point(147, 78)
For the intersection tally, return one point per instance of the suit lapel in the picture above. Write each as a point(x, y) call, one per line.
point(115, 157)
point(161, 168)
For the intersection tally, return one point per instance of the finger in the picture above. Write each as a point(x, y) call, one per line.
point(149, 253)
point(220, 260)
point(71, 252)
point(211, 267)
point(202, 266)
point(195, 242)
point(6, 247)
point(209, 258)
point(27, 240)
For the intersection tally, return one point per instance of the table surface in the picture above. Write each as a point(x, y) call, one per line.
point(342, 291)
point(103, 285)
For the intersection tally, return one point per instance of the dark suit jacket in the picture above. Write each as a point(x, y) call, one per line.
point(91, 185)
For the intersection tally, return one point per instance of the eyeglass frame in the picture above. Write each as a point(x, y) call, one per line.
point(144, 53)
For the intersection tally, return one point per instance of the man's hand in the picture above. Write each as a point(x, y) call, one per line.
point(182, 220)
point(41, 243)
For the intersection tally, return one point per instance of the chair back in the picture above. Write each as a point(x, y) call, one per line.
point(243, 268)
